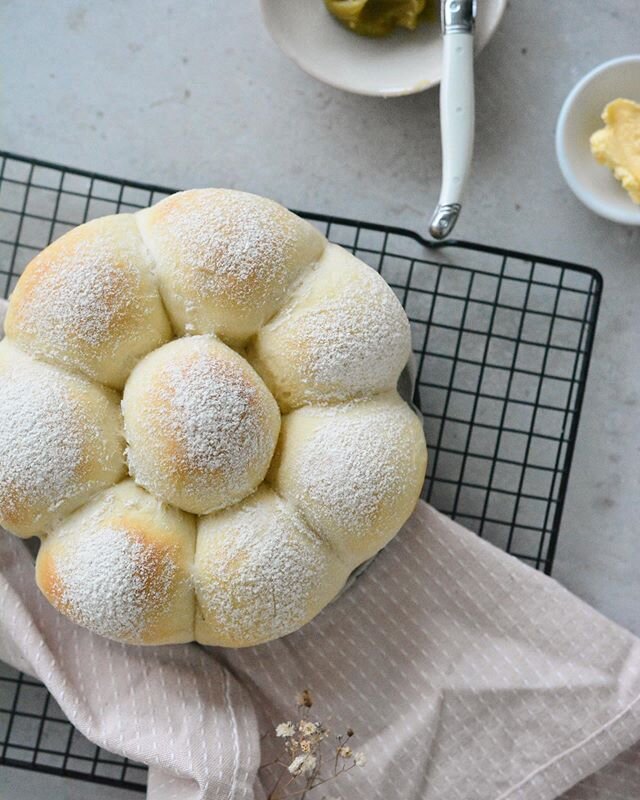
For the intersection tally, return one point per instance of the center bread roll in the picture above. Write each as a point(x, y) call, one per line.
point(200, 424)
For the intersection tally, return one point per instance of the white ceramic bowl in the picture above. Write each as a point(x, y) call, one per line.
point(405, 62)
point(591, 182)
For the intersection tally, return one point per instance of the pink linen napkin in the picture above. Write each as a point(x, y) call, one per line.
point(465, 675)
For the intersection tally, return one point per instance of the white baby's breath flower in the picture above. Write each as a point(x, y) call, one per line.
point(360, 759)
point(307, 728)
point(302, 764)
point(285, 730)
point(345, 752)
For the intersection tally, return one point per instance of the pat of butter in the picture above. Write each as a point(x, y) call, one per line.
point(617, 145)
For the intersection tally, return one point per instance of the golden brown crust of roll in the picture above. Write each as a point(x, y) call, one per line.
point(342, 335)
point(354, 472)
point(201, 425)
point(121, 566)
point(89, 302)
point(226, 259)
point(61, 441)
point(260, 572)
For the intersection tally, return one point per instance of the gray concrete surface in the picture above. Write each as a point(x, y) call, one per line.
point(193, 93)
point(18, 784)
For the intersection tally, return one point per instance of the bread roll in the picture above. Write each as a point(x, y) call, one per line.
point(354, 472)
point(121, 567)
point(172, 306)
point(200, 424)
point(88, 302)
point(342, 335)
point(226, 259)
point(260, 573)
point(60, 441)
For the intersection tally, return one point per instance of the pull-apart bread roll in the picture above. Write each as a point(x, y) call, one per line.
point(200, 424)
point(260, 572)
point(60, 441)
point(201, 420)
point(89, 302)
point(225, 259)
point(343, 334)
point(121, 566)
point(354, 472)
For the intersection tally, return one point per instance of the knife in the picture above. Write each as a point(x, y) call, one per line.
point(457, 112)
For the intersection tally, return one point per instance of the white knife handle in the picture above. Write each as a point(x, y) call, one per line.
point(457, 117)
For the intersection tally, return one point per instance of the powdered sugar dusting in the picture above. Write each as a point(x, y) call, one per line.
point(84, 299)
point(205, 430)
point(214, 419)
point(258, 585)
point(352, 465)
point(45, 439)
point(356, 344)
point(210, 413)
point(113, 582)
point(229, 238)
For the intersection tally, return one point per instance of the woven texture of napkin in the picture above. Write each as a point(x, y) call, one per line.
point(465, 674)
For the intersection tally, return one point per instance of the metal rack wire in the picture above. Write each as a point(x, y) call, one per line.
point(502, 343)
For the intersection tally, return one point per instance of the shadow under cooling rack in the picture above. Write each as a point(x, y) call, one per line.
point(502, 342)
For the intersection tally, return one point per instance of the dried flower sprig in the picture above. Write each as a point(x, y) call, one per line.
point(305, 747)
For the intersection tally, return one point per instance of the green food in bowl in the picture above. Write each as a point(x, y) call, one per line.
point(378, 17)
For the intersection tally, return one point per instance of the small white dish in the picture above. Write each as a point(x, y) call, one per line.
point(403, 63)
point(591, 182)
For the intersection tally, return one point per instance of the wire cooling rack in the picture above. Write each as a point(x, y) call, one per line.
point(502, 342)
